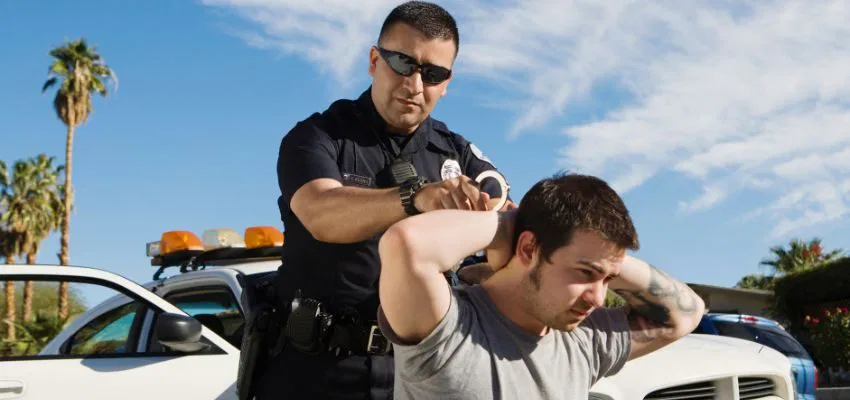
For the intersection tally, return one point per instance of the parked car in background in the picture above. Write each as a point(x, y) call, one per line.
point(769, 333)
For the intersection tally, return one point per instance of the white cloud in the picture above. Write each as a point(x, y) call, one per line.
point(736, 95)
point(330, 33)
point(710, 196)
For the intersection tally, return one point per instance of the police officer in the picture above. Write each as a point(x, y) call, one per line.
point(345, 176)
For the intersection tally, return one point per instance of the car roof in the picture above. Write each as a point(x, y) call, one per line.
point(742, 318)
point(246, 267)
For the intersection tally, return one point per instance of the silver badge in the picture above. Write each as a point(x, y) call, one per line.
point(450, 169)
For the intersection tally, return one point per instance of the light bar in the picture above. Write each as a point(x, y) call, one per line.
point(152, 249)
point(221, 238)
point(176, 241)
point(263, 236)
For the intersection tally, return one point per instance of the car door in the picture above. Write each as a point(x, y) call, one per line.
point(214, 305)
point(102, 352)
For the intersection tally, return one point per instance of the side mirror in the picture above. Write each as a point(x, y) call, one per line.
point(179, 332)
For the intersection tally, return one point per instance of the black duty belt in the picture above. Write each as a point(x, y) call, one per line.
point(358, 339)
point(312, 329)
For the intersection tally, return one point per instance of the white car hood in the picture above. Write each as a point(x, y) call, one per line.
point(697, 358)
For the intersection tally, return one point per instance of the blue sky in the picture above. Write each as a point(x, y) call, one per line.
point(724, 129)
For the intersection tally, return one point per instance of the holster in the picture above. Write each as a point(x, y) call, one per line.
point(263, 337)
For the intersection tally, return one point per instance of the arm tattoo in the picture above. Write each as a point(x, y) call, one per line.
point(649, 311)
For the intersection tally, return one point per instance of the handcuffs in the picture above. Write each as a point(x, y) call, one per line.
point(503, 183)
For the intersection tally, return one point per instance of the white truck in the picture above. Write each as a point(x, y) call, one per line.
point(178, 337)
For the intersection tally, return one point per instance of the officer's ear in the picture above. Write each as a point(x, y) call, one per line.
point(446, 86)
point(373, 60)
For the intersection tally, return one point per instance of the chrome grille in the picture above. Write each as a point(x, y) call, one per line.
point(755, 387)
point(692, 391)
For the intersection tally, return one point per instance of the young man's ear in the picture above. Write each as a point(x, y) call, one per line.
point(526, 248)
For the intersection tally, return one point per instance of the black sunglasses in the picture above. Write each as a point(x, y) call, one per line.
point(405, 65)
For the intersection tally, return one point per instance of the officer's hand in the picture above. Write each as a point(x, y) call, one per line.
point(461, 193)
point(500, 251)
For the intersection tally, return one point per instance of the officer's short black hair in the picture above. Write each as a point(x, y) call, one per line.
point(432, 20)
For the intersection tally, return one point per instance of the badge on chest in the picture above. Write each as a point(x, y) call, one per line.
point(450, 169)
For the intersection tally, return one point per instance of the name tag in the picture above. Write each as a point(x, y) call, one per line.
point(350, 179)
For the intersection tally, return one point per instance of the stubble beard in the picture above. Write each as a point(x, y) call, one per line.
point(547, 314)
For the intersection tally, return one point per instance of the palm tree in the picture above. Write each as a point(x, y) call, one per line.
point(798, 256)
point(756, 281)
point(80, 71)
point(10, 245)
point(37, 210)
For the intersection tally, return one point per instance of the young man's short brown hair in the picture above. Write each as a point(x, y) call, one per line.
point(554, 208)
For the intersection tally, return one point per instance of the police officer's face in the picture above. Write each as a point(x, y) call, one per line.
point(405, 101)
point(562, 292)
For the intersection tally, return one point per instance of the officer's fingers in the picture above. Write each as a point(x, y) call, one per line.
point(485, 201)
point(447, 202)
point(473, 193)
point(457, 182)
point(460, 199)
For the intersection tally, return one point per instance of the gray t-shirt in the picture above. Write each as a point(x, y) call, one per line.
point(478, 353)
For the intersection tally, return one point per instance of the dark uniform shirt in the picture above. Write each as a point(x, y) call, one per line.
point(349, 142)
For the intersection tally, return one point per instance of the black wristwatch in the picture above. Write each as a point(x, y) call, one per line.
point(407, 191)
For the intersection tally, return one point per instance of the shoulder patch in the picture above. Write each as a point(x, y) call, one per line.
point(478, 154)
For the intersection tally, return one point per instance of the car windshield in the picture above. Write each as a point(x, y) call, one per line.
point(769, 336)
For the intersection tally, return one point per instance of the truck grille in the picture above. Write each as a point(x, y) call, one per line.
point(755, 387)
point(692, 391)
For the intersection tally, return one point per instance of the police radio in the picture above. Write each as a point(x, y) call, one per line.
point(402, 170)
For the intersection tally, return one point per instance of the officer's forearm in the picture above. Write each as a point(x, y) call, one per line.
point(350, 214)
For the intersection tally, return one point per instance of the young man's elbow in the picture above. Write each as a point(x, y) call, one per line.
point(396, 244)
point(690, 321)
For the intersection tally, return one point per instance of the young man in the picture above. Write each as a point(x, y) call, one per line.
point(536, 328)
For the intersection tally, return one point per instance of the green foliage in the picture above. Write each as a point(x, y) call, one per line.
point(830, 333)
point(756, 281)
point(34, 334)
point(795, 292)
point(31, 203)
point(79, 71)
point(614, 300)
point(798, 256)
point(45, 297)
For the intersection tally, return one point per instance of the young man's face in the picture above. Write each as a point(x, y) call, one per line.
point(405, 101)
point(563, 292)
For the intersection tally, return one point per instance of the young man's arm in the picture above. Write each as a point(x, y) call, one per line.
point(414, 253)
point(660, 309)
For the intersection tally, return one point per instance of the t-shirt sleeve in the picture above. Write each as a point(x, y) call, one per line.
point(306, 153)
point(420, 361)
point(610, 341)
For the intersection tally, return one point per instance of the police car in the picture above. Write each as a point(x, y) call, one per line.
point(178, 337)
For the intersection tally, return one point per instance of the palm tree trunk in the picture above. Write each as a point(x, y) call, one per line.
point(66, 218)
point(10, 305)
point(28, 292)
